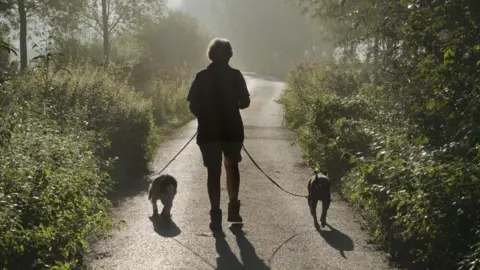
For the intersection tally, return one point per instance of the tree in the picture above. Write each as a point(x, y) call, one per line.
point(22, 16)
point(18, 12)
point(164, 46)
point(426, 98)
point(108, 17)
point(5, 47)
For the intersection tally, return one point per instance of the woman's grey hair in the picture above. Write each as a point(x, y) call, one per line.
point(220, 50)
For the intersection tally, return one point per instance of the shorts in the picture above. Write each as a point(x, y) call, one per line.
point(212, 153)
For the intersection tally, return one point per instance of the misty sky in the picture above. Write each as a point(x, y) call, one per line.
point(174, 4)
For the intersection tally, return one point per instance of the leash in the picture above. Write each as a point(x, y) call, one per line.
point(269, 178)
point(181, 150)
point(248, 154)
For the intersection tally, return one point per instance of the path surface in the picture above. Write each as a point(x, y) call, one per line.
point(278, 231)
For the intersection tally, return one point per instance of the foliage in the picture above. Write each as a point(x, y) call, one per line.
point(173, 41)
point(158, 49)
point(110, 107)
point(169, 105)
point(63, 136)
point(52, 185)
point(121, 14)
point(50, 12)
point(418, 185)
point(108, 17)
point(418, 198)
point(324, 104)
point(6, 47)
point(71, 130)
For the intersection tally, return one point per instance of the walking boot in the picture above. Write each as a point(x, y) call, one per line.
point(216, 219)
point(323, 220)
point(234, 212)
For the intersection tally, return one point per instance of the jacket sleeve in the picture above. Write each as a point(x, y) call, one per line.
point(194, 96)
point(244, 95)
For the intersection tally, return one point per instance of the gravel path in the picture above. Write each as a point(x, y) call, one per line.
point(278, 231)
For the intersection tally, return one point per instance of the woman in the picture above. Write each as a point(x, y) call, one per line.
point(216, 96)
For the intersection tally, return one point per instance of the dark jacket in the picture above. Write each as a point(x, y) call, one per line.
point(216, 96)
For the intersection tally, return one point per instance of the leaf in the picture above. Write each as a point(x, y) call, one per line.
point(431, 104)
point(448, 54)
point(380, 154)
point(38, 57)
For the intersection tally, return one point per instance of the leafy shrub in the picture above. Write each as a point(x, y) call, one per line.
point(59, 136)
point(419, 199)
point(316, 103)
point(169, 104)
point(108, 107)
point(52, 188)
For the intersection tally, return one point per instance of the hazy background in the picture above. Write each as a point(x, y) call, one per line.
point(268, 36)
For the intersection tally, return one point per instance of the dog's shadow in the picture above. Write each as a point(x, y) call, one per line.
point(337, 240)
point(164, 226)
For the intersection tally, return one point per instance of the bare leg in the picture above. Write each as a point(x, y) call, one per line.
point(233, 186)
point(213, 185)
point(233, 180)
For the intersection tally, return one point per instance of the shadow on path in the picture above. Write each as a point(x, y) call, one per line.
point(337, 240)
point(249, 257)
point(226, 260)
point(165, 227)
point(127, 188)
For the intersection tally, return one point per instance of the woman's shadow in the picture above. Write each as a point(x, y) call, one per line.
point(227, 260)
point(337, 240)
point(165, 226)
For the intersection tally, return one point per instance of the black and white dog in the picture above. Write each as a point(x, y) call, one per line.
point(163, 188)
point(319, 190)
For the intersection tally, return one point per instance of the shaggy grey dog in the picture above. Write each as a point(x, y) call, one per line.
point(319, 190)
point(163, 188)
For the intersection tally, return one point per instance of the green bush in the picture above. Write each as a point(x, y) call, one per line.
point(169, 104)
point(419, 200)
point(328, 121)
point(67, 137)
point(107, 106)
point(52, 188)
point(59, 137)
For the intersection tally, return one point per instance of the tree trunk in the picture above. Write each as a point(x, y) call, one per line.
point(23, 35)
point(106, 38)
